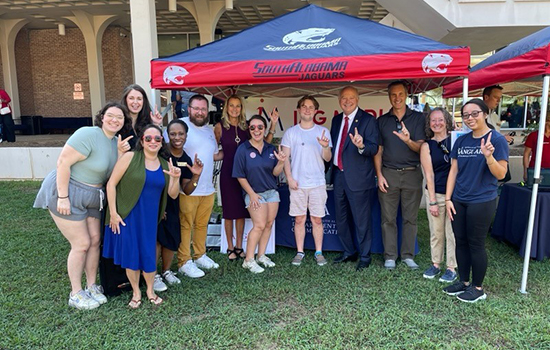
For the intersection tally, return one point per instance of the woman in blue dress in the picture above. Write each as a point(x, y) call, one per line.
point(137, 193)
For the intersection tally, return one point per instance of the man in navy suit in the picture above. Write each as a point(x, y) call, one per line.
point(355, 136)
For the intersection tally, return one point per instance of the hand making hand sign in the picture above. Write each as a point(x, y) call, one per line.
point(123, 145)
point(404, 135)
point(173, 171)
point(324, 141)
point(357, 139)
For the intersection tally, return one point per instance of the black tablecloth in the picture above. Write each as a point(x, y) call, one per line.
point(284, 226)
point(513, 216)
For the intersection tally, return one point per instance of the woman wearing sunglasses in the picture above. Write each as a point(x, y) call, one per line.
point(137, 192)
point(436, 163)
point(256, 166)
point(74, 195)
point(169, 230)
point(479, 160)
point(230, 133)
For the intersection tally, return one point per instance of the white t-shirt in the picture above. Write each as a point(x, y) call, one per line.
point(201, 140)
point(306, 155)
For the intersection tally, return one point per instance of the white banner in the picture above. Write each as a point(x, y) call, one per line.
point(328, 108)
point(247, 227)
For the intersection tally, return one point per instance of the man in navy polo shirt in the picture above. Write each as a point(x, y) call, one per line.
point(402, 132)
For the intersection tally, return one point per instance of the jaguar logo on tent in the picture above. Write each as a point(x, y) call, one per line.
point(306, 39)
point(436, 62)
point(174, 75)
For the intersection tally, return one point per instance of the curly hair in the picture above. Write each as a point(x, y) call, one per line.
point(98, 118)
point(446, 116)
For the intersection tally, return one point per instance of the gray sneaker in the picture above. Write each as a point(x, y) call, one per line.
point(389, 264)
point(320, 259)
point(297, 261)
point(96, 292)
point(410, 263)
point(83, 301)
point(448, 277)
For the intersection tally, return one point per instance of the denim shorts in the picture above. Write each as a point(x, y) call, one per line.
point(85, 200)
point(269, 196)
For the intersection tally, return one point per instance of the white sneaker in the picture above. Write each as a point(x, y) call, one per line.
point(191, 270)
point(158, 284)
point(253, 266)
point(97, 293)
point(205, 262)
point(264, 260)
point(170, 277)
point(83, 301)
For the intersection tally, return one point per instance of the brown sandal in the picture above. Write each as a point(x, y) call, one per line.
point(134, 304)
point(156, 301)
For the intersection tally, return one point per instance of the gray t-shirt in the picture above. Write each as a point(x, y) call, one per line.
point(101, 155)
point(396, 153)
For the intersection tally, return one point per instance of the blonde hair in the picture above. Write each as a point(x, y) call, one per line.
point(242, 117)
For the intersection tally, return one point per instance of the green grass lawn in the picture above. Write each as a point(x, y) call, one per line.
point(309, 307)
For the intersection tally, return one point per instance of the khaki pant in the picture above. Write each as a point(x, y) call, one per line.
point(441, 232)
point(405, 188)
point(195, 213)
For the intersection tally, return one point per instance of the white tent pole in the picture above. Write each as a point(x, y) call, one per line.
point(525, 106)
point(464, 90)
point(536, 176)
point(454, 106)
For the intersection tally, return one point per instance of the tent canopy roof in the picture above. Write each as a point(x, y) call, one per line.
point(309, 47)
point(523, 61)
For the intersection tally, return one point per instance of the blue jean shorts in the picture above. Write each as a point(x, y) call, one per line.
point(269, 196)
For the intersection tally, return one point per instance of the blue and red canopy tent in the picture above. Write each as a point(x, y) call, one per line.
point(525, 61)
point(311, 50)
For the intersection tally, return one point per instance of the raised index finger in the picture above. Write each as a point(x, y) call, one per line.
point(323, 134)
point(489, 137)
point(128, 138)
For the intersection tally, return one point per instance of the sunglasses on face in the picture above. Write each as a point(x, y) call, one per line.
point(149, 138)
point(254, 127)
point(474, 114)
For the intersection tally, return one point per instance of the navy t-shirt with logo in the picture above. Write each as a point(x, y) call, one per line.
point(256, 167)
point(474, 181)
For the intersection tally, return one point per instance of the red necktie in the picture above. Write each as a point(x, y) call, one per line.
point(342, 141)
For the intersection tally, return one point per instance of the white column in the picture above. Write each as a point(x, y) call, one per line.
point(144, 44)
point(206, 14)
point(92, 28)
point(8, 32)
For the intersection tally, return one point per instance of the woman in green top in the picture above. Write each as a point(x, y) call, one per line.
point(74, 195)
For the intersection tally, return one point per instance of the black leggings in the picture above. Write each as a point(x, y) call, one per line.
point(470, 225)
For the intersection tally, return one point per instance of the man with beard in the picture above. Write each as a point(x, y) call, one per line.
point(196, 208)
point(309, 146)
point(402, 132)
point(356, 136)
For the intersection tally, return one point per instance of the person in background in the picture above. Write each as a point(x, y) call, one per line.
point(179, 107)
point(7, 126)
point(137, 192)
point(479, 160)
point(135, 100)
point(257, 165)
point(231, 132)
point(436, 163)
point(309, 146)
point(529, 153)
point(73, 194)
point(169, 229)
point(492, 96)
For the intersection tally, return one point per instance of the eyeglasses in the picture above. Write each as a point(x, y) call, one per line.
point(474, 114)
point(398, 125)
point(197, 109)
point(254, 127)
point(114, 116)
point(149, 138)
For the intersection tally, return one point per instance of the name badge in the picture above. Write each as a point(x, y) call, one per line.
point(182, 164)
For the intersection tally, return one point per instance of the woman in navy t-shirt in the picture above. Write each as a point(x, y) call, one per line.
point(256, 166)
point(479, 160)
